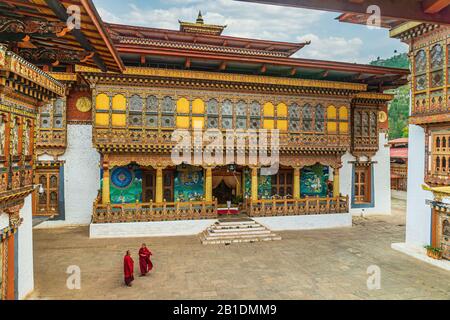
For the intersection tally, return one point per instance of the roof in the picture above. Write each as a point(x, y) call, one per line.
point(90, 43)
point(427, 11)
point(217, 53)
point(399, 141)
point(401, 153)
point(126, 34)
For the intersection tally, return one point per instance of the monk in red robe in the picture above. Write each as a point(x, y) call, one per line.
point(144, 260)
point(128, 269)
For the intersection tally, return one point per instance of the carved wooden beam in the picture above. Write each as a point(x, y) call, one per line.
point(60, 11)
point(50, 56)
point(429, 11)
point(21, 30)
point(435, 6)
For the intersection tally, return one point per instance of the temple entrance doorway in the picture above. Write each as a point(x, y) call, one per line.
point(223, 193)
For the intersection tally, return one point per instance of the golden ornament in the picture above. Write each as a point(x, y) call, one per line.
point(84, 104)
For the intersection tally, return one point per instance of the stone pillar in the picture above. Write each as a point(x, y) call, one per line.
point(336, 183)
point(254, 184)
point(208, 184)
point(238, 187)
point(159, 197)
point(106, 198)
point(296, 183)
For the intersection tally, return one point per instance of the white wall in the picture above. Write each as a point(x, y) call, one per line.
point(4, 220)
point(382, 180)
point(81, 177)
point(418, 218)
point(149, 229)
point(308, 222)
point(25, 276)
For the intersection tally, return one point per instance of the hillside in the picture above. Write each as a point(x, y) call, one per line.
point(399, 107)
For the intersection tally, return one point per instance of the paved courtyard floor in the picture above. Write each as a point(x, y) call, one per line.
point(323, 264)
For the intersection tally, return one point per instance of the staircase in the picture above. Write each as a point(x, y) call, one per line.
point(236, 230)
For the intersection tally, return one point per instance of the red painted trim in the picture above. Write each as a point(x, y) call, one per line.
point(93, 14)
point(10, 294)
point(288, 45)
point(291, 62)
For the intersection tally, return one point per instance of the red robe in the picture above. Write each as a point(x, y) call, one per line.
point(144, 261)
point(128, 269)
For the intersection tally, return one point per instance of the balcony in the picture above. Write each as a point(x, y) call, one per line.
point(152, 212)
point(15, 185)
point(298, 207)
point(143, 139)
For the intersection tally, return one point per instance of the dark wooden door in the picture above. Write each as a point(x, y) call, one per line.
point(48, 201)
point(148, 186)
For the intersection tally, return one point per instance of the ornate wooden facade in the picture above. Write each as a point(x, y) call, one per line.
point(23, 88)
point(318, 122)
point(196, 79)
point(430, 86)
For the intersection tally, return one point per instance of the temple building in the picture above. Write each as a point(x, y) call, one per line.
point(399, 166)
point(24, 88)
point(103, 109)
point(105, 151)
point(428, 220)
point(428, 200)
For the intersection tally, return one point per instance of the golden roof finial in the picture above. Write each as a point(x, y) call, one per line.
point(200, 18)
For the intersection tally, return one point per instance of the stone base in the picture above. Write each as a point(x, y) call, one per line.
point(421, 254)
point(325, 221)
point(237, 230)
point(149, 229)
point(400, 195)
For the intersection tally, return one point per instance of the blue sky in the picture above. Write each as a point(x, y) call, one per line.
point(330, 39)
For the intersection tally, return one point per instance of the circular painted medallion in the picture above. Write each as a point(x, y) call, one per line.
point(382, 117)
point(122, 177)
point(84, 104)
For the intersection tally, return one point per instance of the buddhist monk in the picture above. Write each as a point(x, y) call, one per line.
point(144, 260)
point(128, 268)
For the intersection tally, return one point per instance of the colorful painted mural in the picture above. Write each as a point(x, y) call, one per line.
point(314, 181)
point(189, 184)
point(126, 185)
point(264, 186)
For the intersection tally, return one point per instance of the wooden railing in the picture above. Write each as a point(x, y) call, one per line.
point(15, 182)
point(137, 139)
point(148, 212)
point(51, 138)
point(295, 207)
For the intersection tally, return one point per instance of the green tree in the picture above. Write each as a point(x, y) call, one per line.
point(399, 107)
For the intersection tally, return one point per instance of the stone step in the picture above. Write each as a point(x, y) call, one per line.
point(227, 231)
point(236, 226)
point(237, 222)
point(232, 230)
point(238, 234)
point(239, 240)
point(208, 236)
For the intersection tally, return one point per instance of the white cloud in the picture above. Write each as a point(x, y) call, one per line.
point(332, 48)
point(243, 19)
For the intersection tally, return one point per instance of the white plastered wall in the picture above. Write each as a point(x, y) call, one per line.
point(418, 217)
point(81, 177)
point(25, 276)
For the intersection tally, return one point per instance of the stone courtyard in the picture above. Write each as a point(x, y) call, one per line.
point(322, 264)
